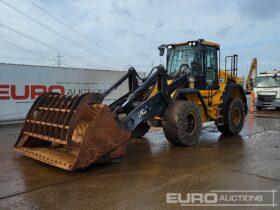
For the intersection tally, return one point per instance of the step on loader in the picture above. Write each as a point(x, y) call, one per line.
point(73, 132)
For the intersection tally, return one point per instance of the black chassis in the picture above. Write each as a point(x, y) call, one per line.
point(137, 104)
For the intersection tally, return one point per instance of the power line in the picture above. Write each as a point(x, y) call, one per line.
point(31, 38)
point(28, 50)
point(60, 34)
point(81, 60)
point(20, 47)
point(29, 58)
point(79, 33)
point(21, 57)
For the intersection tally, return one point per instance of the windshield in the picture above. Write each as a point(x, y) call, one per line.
point(183, 57)
point(268, 81)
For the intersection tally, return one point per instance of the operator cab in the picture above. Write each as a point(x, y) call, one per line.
point(200, 59)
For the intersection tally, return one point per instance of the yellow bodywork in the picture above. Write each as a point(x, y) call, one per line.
point(216, 99)
point(204, 43)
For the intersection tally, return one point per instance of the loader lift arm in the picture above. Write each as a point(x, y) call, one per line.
point(134, 103)
point(156, 104)
point(131, 75)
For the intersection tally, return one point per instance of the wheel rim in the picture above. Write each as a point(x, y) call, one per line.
point(191, 119)
point(236, 117)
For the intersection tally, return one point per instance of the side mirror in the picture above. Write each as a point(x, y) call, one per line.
point(275, 77)
point(161, 49)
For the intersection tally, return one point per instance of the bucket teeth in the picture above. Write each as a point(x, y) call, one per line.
point(67, 131)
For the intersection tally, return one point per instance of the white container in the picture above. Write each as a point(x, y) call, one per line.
point(21, 84)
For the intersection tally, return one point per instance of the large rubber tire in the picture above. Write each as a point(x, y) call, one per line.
point(259, 108)
point(182, 123)
point(140, 130)
point(234, 117)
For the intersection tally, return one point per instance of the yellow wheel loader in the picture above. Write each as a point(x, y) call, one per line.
point(73, 132)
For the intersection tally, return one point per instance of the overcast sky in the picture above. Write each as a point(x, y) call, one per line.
point(113, 34)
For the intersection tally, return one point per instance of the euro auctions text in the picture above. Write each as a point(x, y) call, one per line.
point(31, 92)
point(223, 198)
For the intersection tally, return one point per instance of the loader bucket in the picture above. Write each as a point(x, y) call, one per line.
point(71, 132)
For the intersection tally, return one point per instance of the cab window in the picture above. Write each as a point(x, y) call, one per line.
point(211, 63)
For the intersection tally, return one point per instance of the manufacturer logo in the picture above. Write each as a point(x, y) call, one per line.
point(142, 112)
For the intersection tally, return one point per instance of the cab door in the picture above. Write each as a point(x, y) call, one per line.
point(211, 66)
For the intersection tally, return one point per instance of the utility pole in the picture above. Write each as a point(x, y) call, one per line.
point(58, 60)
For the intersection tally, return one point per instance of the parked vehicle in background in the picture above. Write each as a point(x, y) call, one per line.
point(267, 90)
